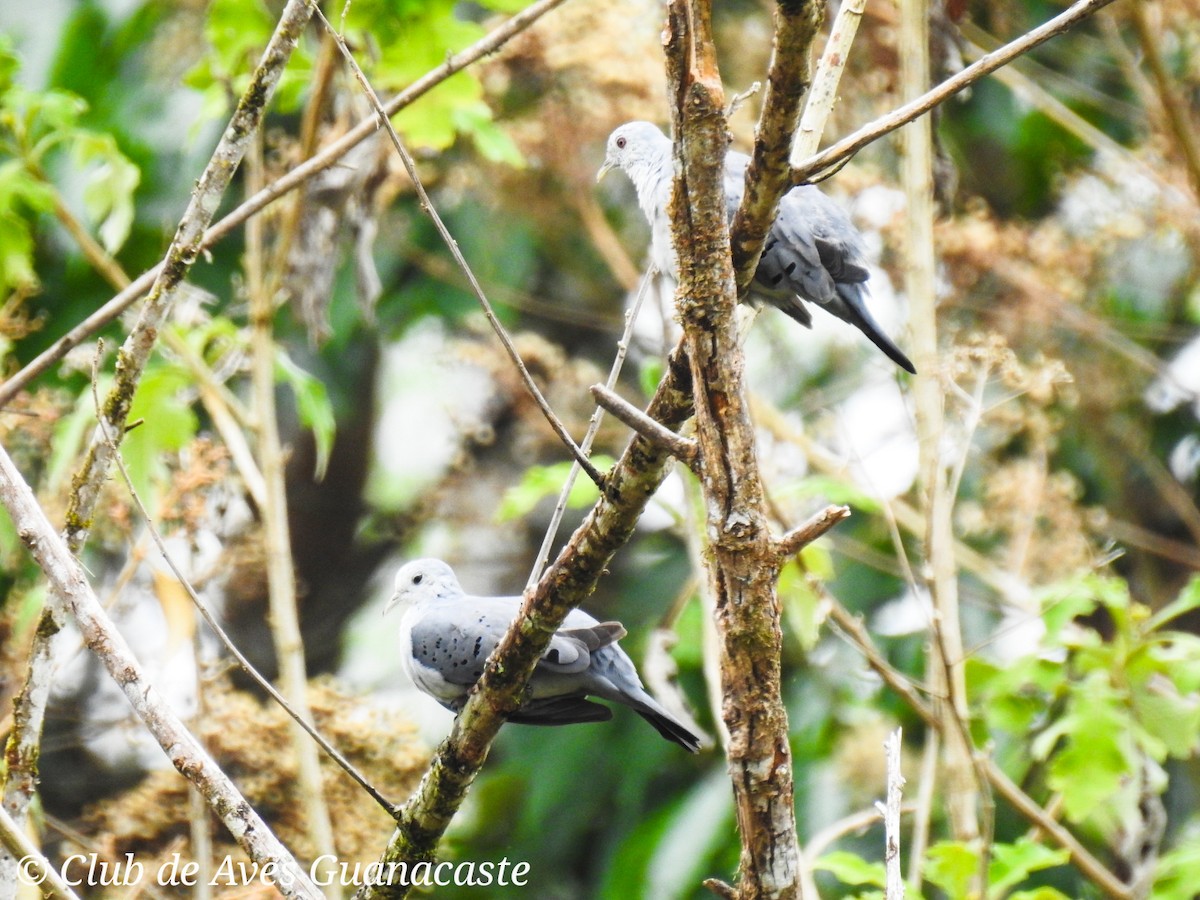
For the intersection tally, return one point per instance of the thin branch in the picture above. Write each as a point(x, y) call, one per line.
point(327, 157)
point(68, 582)
point(1175, 109)
point(227, 641)
point(452, 245)
point(682, 448)
point(855, 823)
point(848, 146)
point(283, 617)
point(799, 538)
point(560, 506)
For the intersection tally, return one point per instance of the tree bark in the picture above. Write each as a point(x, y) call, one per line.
point(743, 561)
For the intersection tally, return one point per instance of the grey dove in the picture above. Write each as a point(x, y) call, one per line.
point(812, 253)
point(446, 637)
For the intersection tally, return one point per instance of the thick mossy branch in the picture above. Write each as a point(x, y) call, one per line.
point(566, 583)
point(768, 176)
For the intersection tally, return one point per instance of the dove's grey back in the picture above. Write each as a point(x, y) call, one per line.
point(813, 253)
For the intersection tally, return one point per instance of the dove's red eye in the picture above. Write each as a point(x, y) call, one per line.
point(620, 143)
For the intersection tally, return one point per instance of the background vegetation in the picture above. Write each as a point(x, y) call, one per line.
point(1069, 363)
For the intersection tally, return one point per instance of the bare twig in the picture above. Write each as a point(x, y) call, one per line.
point(327, 157)
point(945, 670)
point(33, 864)
point(68, 582)
point(871, 132)
point(823, 93)
point(1175, 109)
point(682, 448)
point(891, 818)
point(799, 538)
point(452, 245)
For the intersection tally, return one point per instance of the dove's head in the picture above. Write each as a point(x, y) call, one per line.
point(634, 147)
point(424, 579)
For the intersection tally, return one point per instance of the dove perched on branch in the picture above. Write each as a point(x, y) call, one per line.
point(813, 253)
point(446, 637)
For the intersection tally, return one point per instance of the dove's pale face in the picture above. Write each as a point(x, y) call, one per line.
point(423, 579)
point(633, 144)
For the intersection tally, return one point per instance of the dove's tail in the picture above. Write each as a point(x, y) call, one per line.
point(670, 728)
point(852, 309)
point(664, 723)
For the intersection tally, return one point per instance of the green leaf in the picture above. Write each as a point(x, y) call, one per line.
point(1099, 752)
point(430, 124)
point(1063, 603)
point(1040, 893)
point(1178, 872)
point(1012, 863)
point(19, 188)
point(108, 191)
point(650, 374)
point(1171, 718)
point(159, 422)
point(952, 866)
point(851, 869)
point(540, 482)
point(801, 605)
point(475, 119)
point(312, 406)
point(1188, 599)
point(10, 64)
point(16, 253)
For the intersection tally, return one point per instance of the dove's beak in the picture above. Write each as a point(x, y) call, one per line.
point(393, 601)
point(608, 164)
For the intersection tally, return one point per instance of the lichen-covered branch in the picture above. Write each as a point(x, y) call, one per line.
point(181, 254)
point(67, 581)
point(565, 584)
point(131, 361)
point(283, 185)
point(743, 560)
